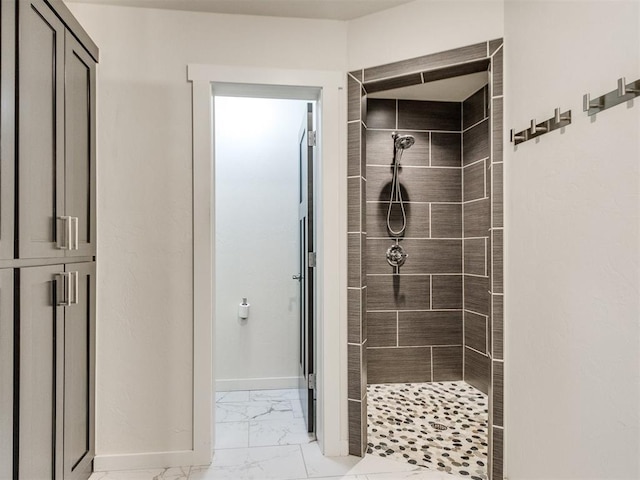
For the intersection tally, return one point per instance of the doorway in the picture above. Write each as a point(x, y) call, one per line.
point(264, 314)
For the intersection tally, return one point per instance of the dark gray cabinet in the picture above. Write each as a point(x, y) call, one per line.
point(47, 243)
point(56, 365)
point(56, 137)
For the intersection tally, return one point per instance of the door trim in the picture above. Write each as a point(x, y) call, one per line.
point(328, 89)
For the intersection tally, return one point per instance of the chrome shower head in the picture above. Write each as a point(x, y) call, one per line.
point(403, 142)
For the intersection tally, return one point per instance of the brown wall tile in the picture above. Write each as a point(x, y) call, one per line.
point(398, 292)
point(396, 82)
point(497, 73)
point(446, 149)
point(498, 328)
point(446, 292)
point(475, 331)
point(353, 371)
point(382, 329)
point(446, 220)
point(494, 45)
point(476, 218)
point(477, 371)
point(427, 115)
point(474, 108)
point(357, 74)
point(353, 106)
point(497, 450)
point(475, 250)
point(425, 256)
point(353, 149)
point(381, 113)
point(497, 129)
point(380, 148)
point(498, 393)
point(497, 272)
point(473, 181)
point(447, 364)
point(353, 260)
point(399, 365)
point(355, 428)
point(476, 294)
point(475, 143)
point(417, 184)
point(353, 315)
point(417, 219)
point(353, 204)
point(429, 328)
point(496, 197)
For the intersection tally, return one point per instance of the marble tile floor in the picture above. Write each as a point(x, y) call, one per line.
point(261, 435)
point(442, 426)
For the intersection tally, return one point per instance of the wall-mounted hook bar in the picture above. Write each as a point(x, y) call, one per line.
point(623, 93)
point(535, 130)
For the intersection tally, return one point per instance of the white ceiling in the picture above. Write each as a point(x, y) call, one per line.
point(319, 9)
point(454, 89)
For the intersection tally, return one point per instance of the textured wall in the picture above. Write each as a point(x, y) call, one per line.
point(414, 318)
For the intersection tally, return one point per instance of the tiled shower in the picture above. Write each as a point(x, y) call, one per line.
point(438, 318)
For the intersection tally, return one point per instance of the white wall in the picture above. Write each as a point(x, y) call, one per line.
point(257, 172)
point(572, 245)
point(422, 27)
point(145, 318)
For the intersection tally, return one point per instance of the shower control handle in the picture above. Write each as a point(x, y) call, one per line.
point(297, 277)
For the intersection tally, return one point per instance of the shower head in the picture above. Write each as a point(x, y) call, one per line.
point(403, 142)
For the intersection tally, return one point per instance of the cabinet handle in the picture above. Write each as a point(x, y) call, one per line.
point(74, 223)
point(66, 233)
point(74, 300)
point(64, 285)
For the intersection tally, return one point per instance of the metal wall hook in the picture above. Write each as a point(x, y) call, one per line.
point(559, 120)
point(623, 89)
point(537, 128)
point(558, 117)
point(587, 104)
point(520, 137)
point(624, 92)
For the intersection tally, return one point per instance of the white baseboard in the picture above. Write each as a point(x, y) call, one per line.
point(145, 461)
point(268, 383)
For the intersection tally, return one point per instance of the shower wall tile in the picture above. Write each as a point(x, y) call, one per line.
point(497, 129)
point(473, 181)
point(363, 317)
point(357, 74)
point(399, 365)
point(363, 264)
point(353, 106)
point(382, 329)
point(353, 260)
point(474, 109)
point(355, 428)
point(457, 70)
point(363, 205)
point(497, 454)
point(475, 261)
point(353, 149)
point(426, 115)
point(429, 328)
point(498, 393)
point(380, 149)
point(353, 371)
point(427, 62)
point(475, 331)
point(398, 292)
point(353, 204)
point(446, 220)
point(476, 294)
point(475, 143)
point(381, 113)
point(476, 218)
point(446, 292)
point(497, 73)
point(363, 151)
point(497, 263)
point(395, 82)
point(447, 364)
point(477, 370)
point(416, 184)
point(446, 149)
point(417, 220)
point(498, 327)
point(496, 198)
point(425, 256)
point(494, 45)
point(354, 306)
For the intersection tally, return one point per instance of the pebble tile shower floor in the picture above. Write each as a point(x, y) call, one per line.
point(441, 426)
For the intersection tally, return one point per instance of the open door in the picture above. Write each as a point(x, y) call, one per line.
point(307, 263)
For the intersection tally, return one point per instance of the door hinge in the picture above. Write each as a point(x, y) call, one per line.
point(312, 381)
point(312, 259)
point(311, 142)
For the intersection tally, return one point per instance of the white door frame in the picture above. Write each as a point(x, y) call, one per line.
point(331, 237)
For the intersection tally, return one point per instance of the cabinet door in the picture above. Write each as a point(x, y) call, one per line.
point(41, 343)
point(80, 146)
point(7, 128)
point(40, 130)
point(79, 371)
point(6, 374)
